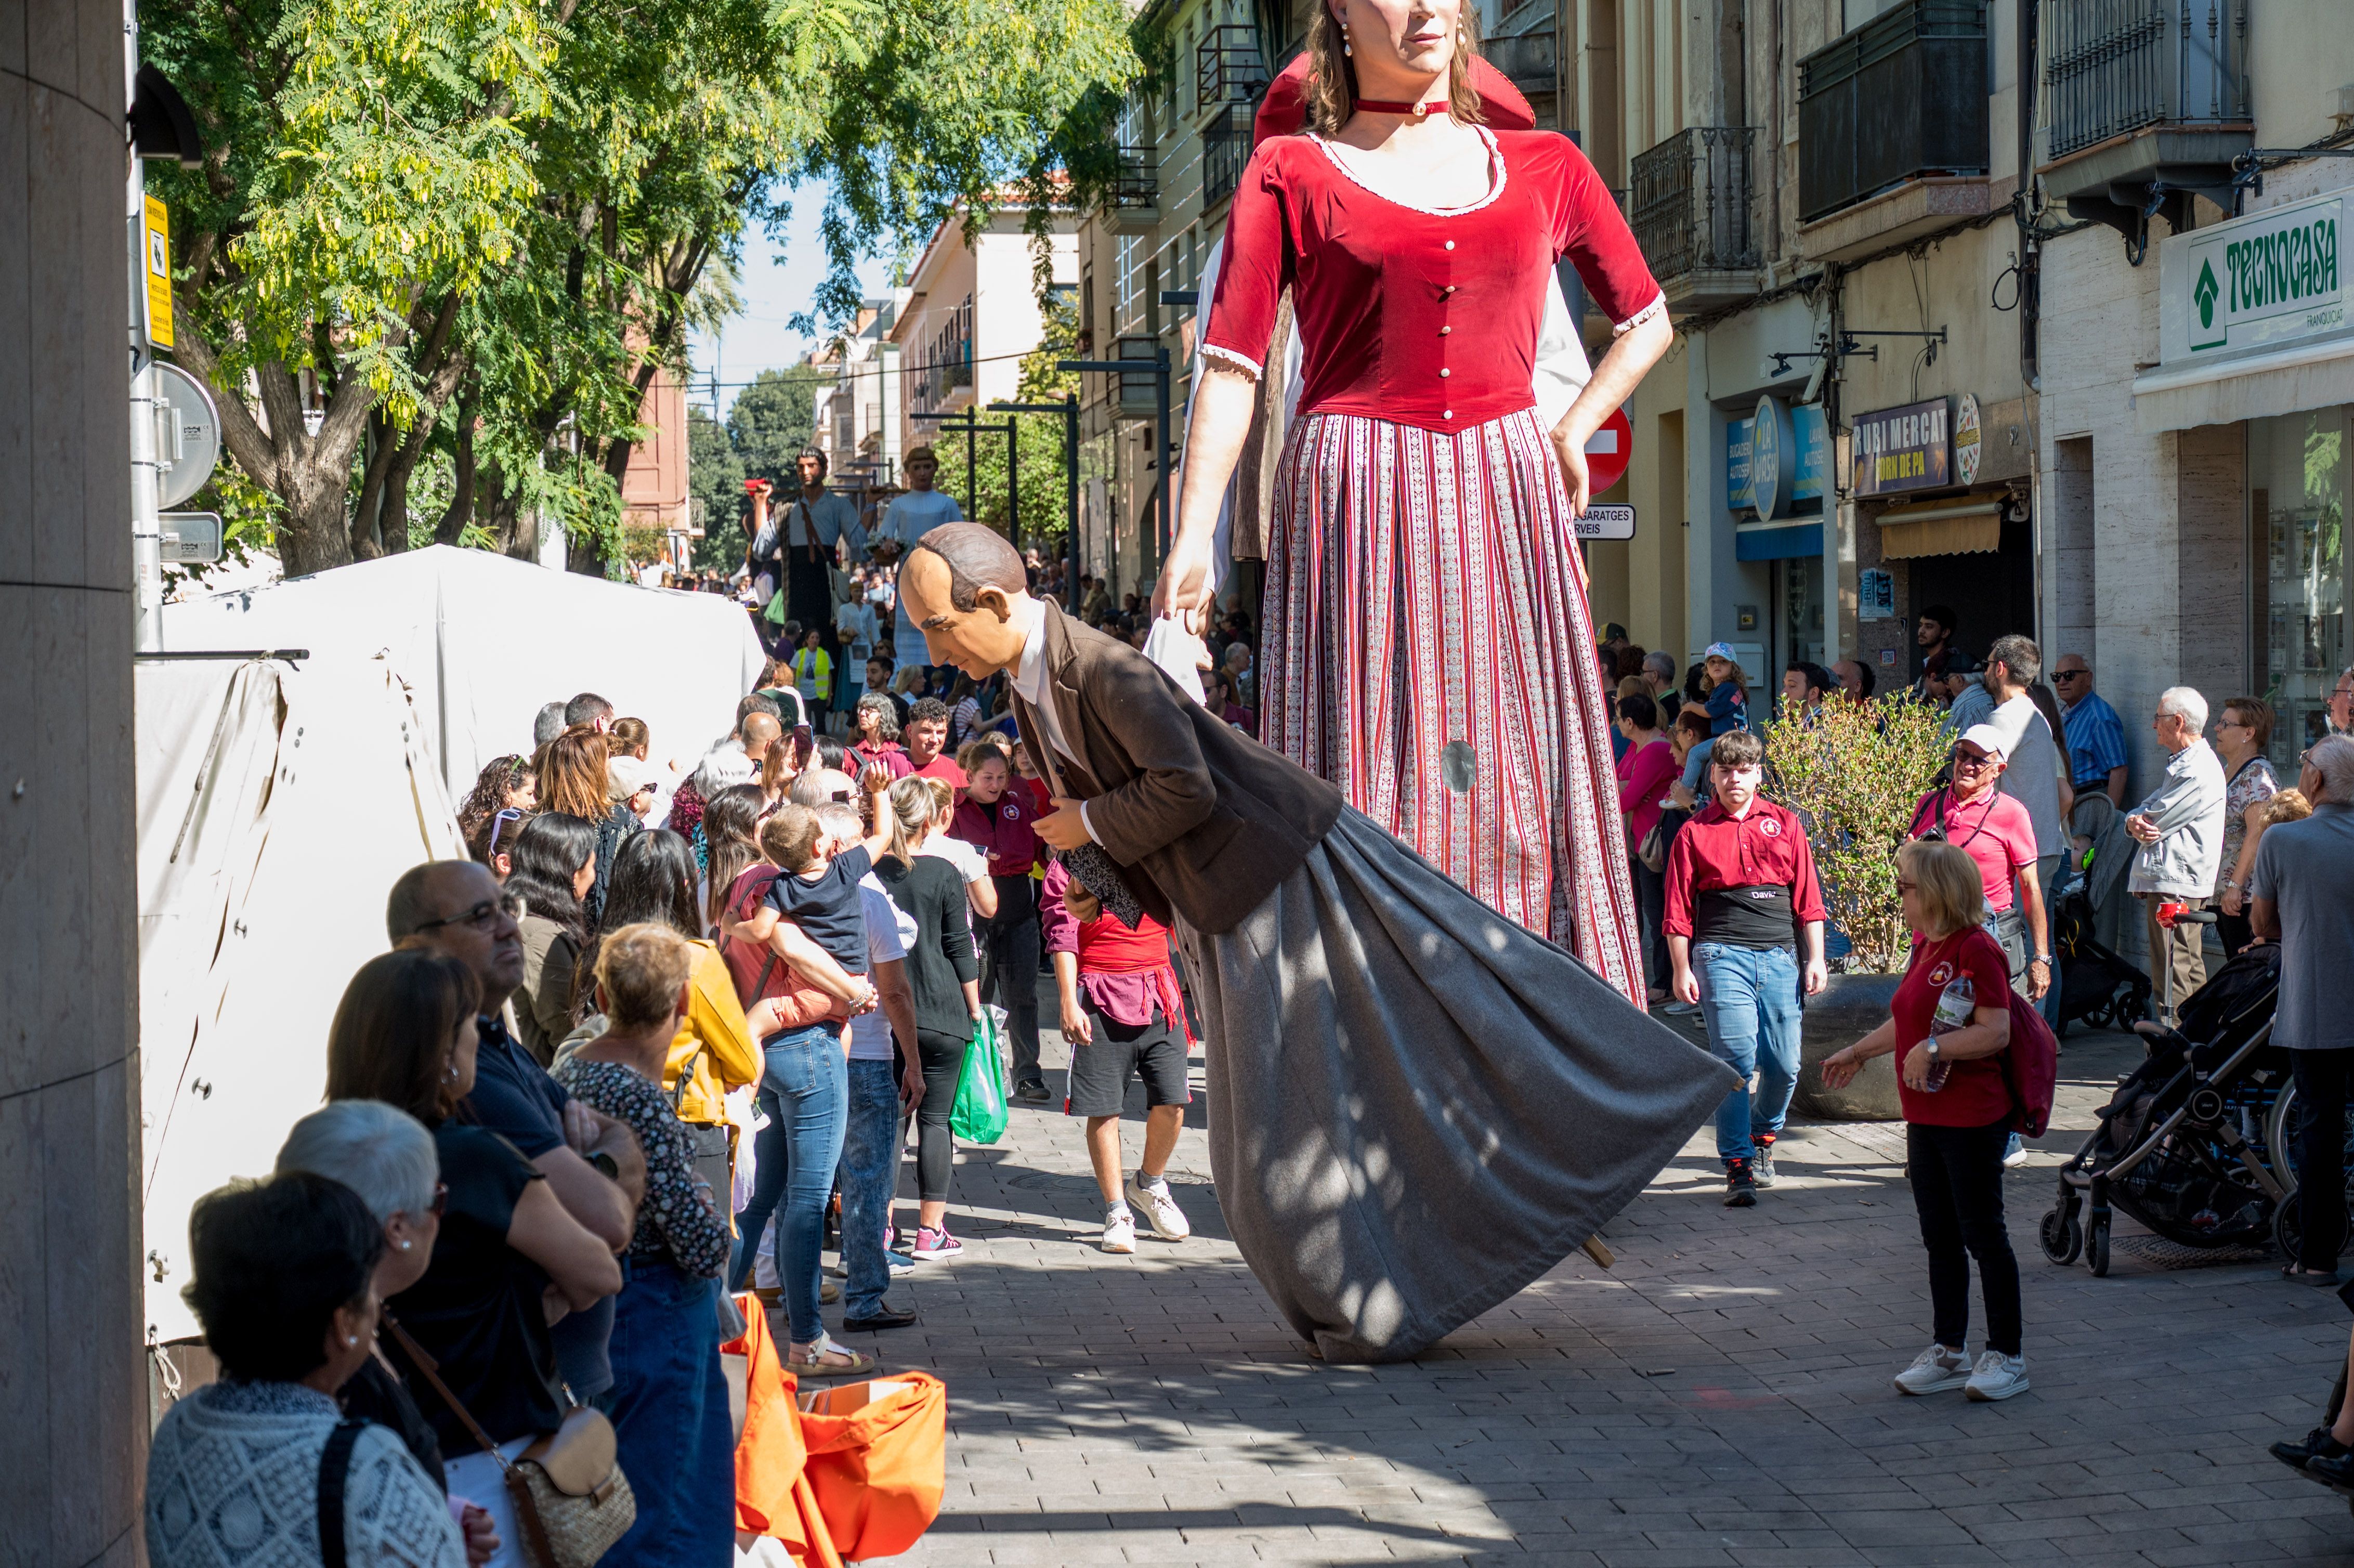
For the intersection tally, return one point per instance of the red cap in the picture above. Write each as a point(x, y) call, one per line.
point(1284, 110)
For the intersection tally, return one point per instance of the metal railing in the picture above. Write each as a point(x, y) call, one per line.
point(1226, 148)
point(1138, 183)
point(1227, 66)
point(1902, 97)
point(2116, 65)
point(1690, 202)
point(947, 359)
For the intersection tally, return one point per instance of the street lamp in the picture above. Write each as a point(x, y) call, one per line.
point(1159, 364)
point(1070, 409)
point(972, 428)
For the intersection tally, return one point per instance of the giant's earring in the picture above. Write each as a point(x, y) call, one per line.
point(1345, 49)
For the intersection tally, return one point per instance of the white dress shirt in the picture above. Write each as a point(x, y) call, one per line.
point(1028, 674)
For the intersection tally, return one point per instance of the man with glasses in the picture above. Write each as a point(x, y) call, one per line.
point(1743, 900)
point(1998, 833)
point(592, 1162)
point(2179, 827)
point(2096, 736)
point(2341, 704)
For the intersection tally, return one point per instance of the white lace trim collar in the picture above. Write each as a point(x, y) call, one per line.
point(1495, 186)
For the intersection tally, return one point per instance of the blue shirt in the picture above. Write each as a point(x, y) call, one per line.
point(2096, 740)
point(828, 910)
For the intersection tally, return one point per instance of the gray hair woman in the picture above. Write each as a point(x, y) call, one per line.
point(387, 1157)
point(284, 1286)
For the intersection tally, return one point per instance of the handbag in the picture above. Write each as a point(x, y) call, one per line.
point(569, 1492)
point(334, 1476)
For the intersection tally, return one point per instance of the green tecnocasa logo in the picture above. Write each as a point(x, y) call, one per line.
point(2206, 291)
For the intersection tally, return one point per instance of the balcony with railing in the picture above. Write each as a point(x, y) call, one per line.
point(1690, 208)
point(1893, 129)
point(947, 365)
point(1132, 203)
point(1525, 49)
point(1226, 148)
point(1227, 68)
point(2143, 92)
point(1135, 394)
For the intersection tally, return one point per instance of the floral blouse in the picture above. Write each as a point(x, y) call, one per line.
point(678, 1222)
point(2252, 783)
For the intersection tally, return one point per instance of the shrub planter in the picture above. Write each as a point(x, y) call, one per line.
point(1851, 1007)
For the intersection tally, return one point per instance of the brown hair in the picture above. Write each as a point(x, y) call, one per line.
point(626, 736)
point(1332, 81)
point(1952, 892)
point(1737, 749)
point(789, 836)
point(391, 1035)
point(641, 971)
point(2257, 714)
point(572, 774)
point(2288, 806)
point(977, 753)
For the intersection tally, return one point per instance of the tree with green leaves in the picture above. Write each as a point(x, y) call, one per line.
point(1046, 511)
point(714, 478)
point(473, 233)
point(773, 419)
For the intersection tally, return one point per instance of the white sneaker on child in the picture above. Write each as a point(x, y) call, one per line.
point(1119, 1231)
point(1168, 1221)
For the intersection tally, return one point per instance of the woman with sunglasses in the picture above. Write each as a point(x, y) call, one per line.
point(1993, 829)
point(507, 1260)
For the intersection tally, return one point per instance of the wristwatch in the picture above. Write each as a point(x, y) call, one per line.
point(1933, 1053)
point(606, 1163)
point(2044, 959)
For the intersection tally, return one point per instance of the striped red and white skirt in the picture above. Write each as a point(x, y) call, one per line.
point(1426, 616)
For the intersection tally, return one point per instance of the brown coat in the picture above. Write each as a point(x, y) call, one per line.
point(1206, 820)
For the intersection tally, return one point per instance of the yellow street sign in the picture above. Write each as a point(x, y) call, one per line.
point(157, 235)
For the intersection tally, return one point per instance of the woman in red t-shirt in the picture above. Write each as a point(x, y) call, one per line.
point(1644, 775)
point(1951, 1022)
point(1994, 829)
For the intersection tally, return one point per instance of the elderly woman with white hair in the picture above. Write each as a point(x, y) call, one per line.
point(385, 1156)
point(2179, 826)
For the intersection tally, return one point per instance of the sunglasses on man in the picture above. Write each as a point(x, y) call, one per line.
point(482, 916)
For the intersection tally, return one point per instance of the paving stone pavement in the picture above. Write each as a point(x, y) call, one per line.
point(1719, 1397)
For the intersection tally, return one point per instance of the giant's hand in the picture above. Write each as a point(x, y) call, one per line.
point(1183, 590)
point(1065, 828)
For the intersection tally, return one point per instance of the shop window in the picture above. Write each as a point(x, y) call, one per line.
point(2297, 479)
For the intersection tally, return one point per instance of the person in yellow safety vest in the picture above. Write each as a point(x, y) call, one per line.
point(813, 671)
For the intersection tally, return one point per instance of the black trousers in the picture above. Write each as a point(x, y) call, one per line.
point(808, 590)
point(1009, 969)
point(2321, 1085)
point(1956, 1174)
point(1651, 901)
point(942, 1057)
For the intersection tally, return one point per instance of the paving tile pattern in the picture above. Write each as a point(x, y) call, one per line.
point(1721, 1397)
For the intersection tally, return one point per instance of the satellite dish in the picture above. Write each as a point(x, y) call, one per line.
point(187, 434)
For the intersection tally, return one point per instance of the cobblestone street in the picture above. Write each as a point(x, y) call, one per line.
point(1721, 1396)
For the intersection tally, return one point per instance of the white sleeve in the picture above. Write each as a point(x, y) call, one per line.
point(1561, 371)
point(882, 941)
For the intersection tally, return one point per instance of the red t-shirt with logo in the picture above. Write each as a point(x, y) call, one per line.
point(1970, 966)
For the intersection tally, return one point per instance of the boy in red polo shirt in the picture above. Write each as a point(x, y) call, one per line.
point(1741, 898)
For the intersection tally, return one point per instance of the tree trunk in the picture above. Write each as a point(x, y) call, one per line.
point(460, 511)
point(312, 535)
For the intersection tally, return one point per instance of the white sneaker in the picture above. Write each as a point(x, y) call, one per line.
point(2014, 1153)
point(1159, 1208)
point(1933, 1370)
point(1998, 1376)
point(1119, 1231)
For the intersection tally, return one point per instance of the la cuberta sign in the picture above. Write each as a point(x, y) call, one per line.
point(2269, 280)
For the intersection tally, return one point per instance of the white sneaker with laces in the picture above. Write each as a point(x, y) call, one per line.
point(1119, 1231)
point(1998, 1376)
point(1934, 1369)
point(1161, 1210)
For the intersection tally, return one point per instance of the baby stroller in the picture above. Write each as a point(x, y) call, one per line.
point(2096, 986)
point(2187, 1146)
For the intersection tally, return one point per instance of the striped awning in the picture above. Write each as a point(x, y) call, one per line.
point(1960, 526)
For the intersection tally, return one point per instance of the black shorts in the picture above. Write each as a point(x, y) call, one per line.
point(1100, 1070)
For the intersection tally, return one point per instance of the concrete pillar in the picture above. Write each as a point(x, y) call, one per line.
point(73, 1397)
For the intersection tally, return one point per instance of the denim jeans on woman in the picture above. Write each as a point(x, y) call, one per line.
point(1749, 997)
point(870, 1175)
point(673, 1436)
point(803, 1091)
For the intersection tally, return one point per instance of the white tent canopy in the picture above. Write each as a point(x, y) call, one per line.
point(485, 641)
point(276, 808)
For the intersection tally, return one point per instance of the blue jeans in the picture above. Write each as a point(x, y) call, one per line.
point(1750, 998)
point(870, 1175)
point(2047, 872)
point(802, 1091)
point(671, 1426)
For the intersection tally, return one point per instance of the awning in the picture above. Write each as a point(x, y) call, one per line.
point(1960, 526)
point(2288, 381)
point(1778, 541)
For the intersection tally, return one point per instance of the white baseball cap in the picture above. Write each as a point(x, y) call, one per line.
point(1988, 739)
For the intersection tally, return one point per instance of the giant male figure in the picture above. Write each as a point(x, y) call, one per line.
point(1416, 1107)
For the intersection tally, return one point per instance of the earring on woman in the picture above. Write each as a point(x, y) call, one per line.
point(453, 1074)
point(405, 1243)
point(1345, 49)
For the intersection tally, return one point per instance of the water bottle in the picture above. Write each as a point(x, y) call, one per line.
point(1956, 1004)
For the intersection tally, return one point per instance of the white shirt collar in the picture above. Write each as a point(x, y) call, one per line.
point(1029, 672)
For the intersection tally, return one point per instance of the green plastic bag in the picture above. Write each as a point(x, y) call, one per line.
point(775, 614)
point(978, 1116)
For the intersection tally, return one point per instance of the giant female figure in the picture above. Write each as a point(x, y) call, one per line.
point(1426, 642)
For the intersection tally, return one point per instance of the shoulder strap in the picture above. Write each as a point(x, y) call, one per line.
point(335, 1473)
point(429, 1369)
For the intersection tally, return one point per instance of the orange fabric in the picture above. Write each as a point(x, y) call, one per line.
point(878, 1466)
point(773, 1489)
